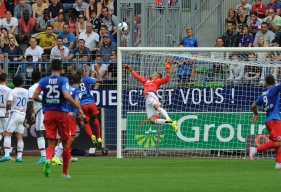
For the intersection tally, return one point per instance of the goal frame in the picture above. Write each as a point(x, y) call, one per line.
point(165, 49)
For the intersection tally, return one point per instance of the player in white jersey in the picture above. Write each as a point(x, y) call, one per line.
point(37, 111)
point(4, 92)
point(17, 103)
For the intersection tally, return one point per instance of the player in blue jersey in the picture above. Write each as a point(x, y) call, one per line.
point(88, 103)
point(55, 101)
point(269, 100)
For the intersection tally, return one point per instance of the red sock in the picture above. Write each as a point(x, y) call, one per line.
point(88, 130)
point(50, 152)
point(278, 154)
point(97, 128)
point(266, 146)
point(66, 158)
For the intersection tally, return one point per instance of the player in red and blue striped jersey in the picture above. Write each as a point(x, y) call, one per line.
point(269, 100)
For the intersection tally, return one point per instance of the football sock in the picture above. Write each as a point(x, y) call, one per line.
point(97, 128)
point(88, 130)
point(266, 146)
point(66, 158)
point(59, 151)
point(163, 112)
point(50, 152)
point(1, 136)
point(20, 148)
point(160, 121)
point(278, 154)
point(7, 146)
point(41, 146)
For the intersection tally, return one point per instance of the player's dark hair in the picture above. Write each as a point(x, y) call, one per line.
point(56, 65)
point(3, 77)
point(35, 76)
point(160, 75)
point(17, 81)
point(80, 71)
point(270, 80)
point(76, 79)
point(70, 78)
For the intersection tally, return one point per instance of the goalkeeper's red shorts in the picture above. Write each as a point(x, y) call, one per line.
point(56, 121)
point(274, 129)
point(90, 110)
point(72, 126)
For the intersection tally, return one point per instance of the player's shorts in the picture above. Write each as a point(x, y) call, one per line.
point(3, 122)
point(151, 99)
point(90, 110)
point(72, 126)
point(274, 129)
point(15, 122)
point(39, 121)
point(56, 121)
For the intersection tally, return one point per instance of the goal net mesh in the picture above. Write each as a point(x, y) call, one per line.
point(209, 94)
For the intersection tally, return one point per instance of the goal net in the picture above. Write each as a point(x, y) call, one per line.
point(209, 94)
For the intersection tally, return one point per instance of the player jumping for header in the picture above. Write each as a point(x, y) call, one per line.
point(151, 85)
point(270, 101)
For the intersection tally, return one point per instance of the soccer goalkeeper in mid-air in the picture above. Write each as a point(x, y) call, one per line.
point(151, 85)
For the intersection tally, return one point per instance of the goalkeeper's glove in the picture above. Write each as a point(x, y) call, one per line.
point(168, 66)
point(128, 67)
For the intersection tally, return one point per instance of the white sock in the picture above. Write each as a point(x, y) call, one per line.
point(56, 149)
point(59, 151)
point(20, 148)
point(163, 112)
point(41, 146)
point(160, 121)
point(7, 146)
point(1, 136)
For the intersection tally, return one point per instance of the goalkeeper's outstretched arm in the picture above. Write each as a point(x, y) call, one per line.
point(135, 74)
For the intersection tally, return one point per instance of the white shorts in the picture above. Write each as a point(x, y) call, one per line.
point(151, 99)
point(39, 121)
point(15, 122)
point(3, 122)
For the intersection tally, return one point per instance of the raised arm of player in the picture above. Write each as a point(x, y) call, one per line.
point(135, 74)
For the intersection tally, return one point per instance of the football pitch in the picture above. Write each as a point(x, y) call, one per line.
point(143, 174)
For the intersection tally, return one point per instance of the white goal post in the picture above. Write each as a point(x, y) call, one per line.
point(222, 103)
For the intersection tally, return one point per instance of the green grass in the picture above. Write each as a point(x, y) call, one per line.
point(143, 174)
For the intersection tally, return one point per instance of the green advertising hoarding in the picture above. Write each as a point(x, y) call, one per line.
point(221, 131)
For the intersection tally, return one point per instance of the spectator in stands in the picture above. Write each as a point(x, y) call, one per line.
point(247, 7)
point(189, 40)
point(102, 68)
point(107, 47)
point(72, 15)
point(47, 39)
point(269, 70)
point(69, 39)
point(84, 52)
point(254, 23)
point(20, 7)
point(267, 34)
point(261, 43)
point(231, 36)
point(2, 9)
point(112, 68)
point(11, 23)
point(273, 5)
point(1, 59)
point(274, 55)
point(110, 21)
point(58, 25)
point(274, 23)
point(96, 22)
point(81, 24)
point(93, 6)
point(14, 52)
point(123, 42)
point(43, 21)
point(252, 73)
point(55, 8)
point(242, 18)
point(34, 50)
point(236, 70)
point(110, 4)
point(5, 38)
point(80, 6)
point(28, 69)
point(91, 39)
point(10, 5)
point(59, 51)
point(232, 17)
point(26, 26)
point(259, 8)
point(246, 39)
point(126, 35)
point(38, 9)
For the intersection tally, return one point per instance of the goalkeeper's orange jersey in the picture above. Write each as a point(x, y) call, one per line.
point(151, 84)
